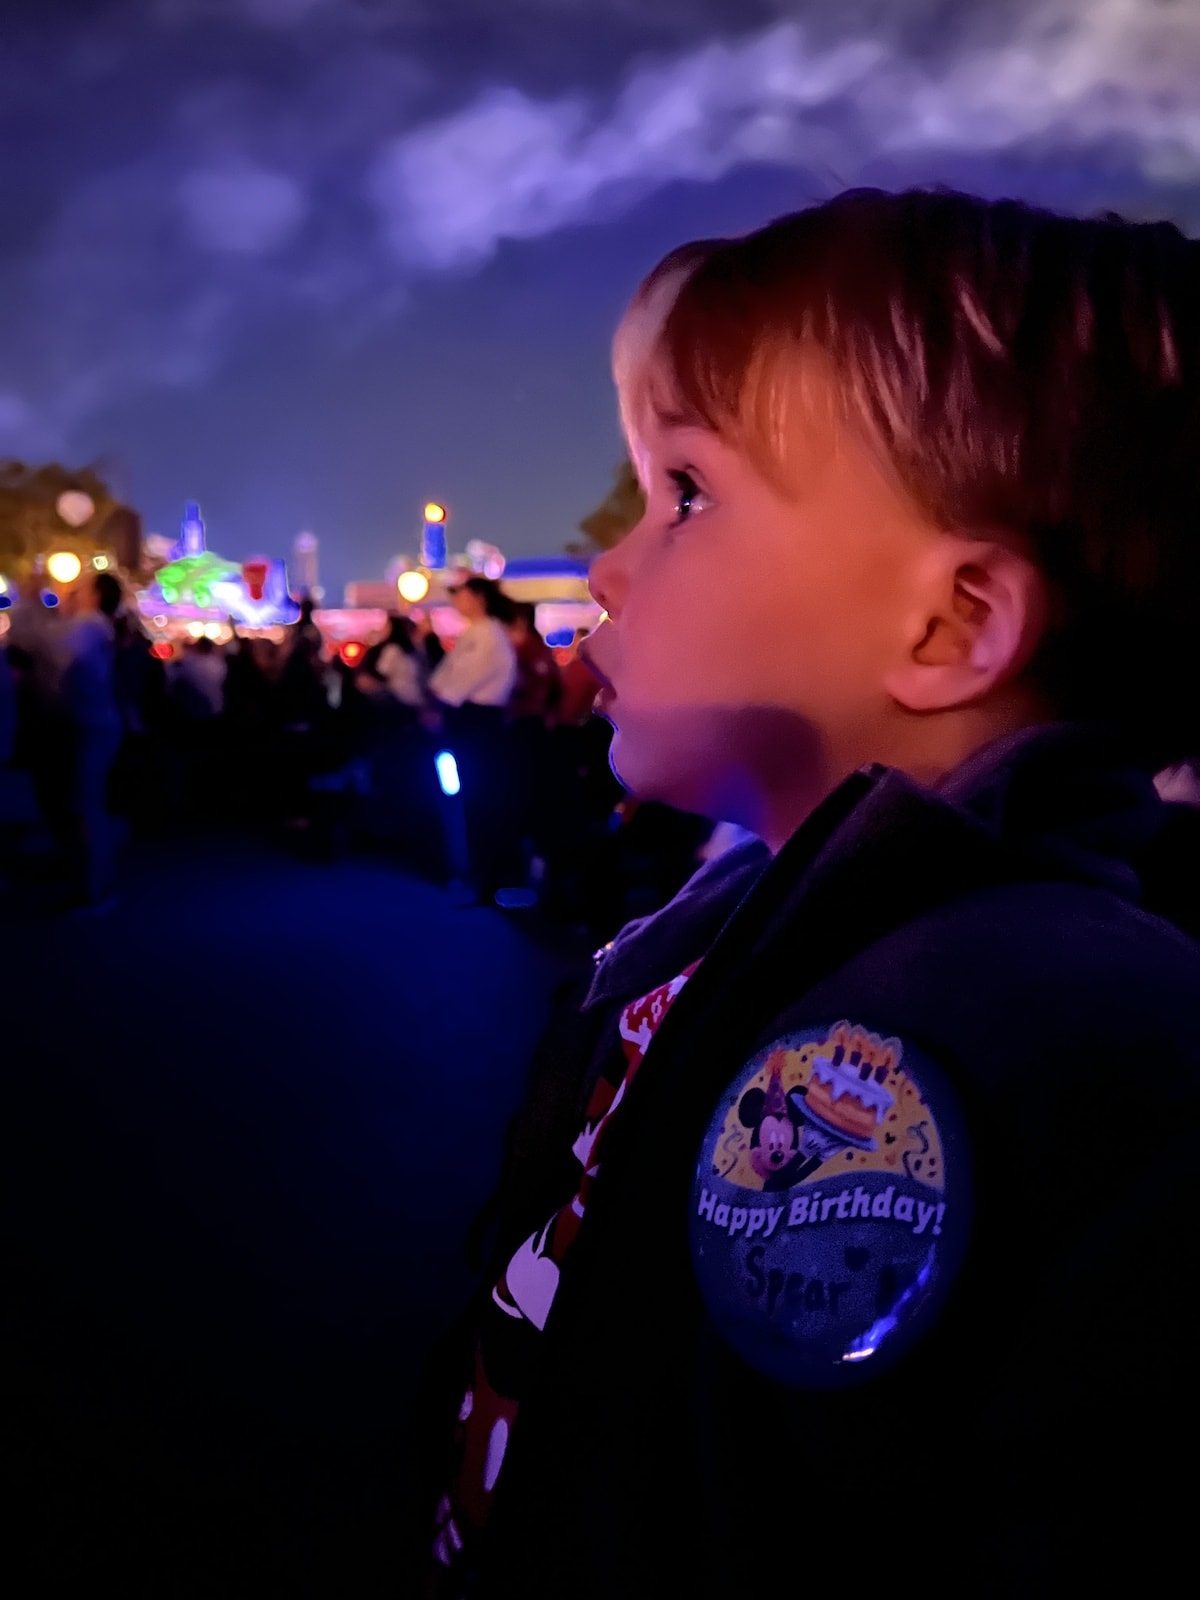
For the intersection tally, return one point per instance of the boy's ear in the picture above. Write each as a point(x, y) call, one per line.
point(982, 608)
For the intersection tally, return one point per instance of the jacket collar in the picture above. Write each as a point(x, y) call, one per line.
point(1066, 801)
point(657, 947)
point(1056, 802)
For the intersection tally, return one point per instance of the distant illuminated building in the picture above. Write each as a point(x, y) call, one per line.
point(305, 568)
point(197, 585)
point(556, 585)
point(191, 533)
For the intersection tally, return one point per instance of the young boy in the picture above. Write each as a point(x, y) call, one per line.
point(849, 1237)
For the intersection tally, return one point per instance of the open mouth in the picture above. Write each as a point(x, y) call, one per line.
point(606, 686)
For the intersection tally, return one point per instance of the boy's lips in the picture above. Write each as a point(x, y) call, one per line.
point(606, 693)
point(601, 677)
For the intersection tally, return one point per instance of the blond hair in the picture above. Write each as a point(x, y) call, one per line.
point(1017, 370)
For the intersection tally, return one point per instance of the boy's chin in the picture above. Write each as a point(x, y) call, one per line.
point(652, 769)
point(732, 763)
point(636, 770)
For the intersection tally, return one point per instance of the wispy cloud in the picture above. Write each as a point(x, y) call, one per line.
point(274, 14)
point(242, 210)
point(1070, 81)
point(507, 166)
point(347, 158)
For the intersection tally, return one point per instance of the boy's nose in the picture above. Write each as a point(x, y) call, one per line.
point(608, 580)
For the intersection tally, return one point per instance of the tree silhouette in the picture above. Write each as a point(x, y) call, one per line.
point(621, 509)
point(30, 525)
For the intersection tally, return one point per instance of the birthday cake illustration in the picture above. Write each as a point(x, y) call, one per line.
point(848, 1097)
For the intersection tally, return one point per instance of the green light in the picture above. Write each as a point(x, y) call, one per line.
point(190, 579)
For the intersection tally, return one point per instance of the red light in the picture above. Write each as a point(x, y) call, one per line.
point(162, 650)
point(352, 652)
point(254, 575)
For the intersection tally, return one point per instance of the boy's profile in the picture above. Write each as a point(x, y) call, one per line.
point(846, 1234)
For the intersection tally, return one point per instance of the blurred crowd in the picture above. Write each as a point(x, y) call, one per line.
point(104, 734)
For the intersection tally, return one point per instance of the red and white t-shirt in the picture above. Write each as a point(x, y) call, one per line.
point(506, 1352)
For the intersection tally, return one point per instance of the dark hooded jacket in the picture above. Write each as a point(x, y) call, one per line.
point(1030, 1433)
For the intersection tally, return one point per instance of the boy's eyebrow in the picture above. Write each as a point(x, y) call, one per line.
point(679, 417)
point(689, 425)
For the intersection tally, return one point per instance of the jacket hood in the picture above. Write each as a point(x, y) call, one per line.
point(1062, 802)
point(1066, 801)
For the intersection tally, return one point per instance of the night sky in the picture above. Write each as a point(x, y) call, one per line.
point(312, 262)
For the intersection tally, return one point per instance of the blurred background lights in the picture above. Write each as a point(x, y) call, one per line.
point(485, 558)
point(413, 586)
point(64, 566)
point(447, 771)
point(100, 563)
point(75, 508)
point(516, 899)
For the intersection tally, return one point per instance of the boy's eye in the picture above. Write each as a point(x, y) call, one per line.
point(687, 495)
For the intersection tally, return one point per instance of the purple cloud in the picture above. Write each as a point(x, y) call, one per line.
point(355, 151)
point(1068, 79)
point(238, 209)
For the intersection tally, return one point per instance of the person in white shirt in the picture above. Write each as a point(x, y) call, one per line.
point(473, 684)
point(398, 666)
point(481, 670)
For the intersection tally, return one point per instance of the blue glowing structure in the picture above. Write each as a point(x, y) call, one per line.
point(433, 546)
point(191, 540)
point(260, 599)
point(433, 537)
